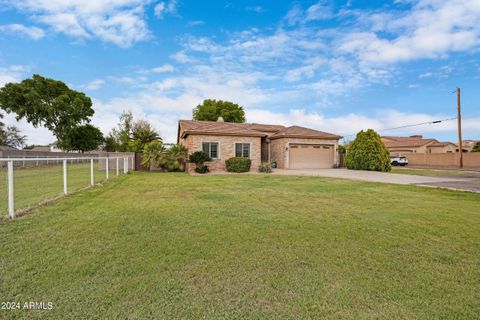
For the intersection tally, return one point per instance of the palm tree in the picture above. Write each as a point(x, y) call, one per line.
point(176, 157)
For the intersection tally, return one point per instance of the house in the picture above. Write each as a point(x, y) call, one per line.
point(7, 148)
point(48, 148)
point(442, 147)
point(467, 145)
point(292, 147)
point(416, 144)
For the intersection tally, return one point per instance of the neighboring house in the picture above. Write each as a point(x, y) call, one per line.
point(289, 147)
point(442, 147)
point(416, 144)
point(48, 148)
point(7, 148)
point(467, 145)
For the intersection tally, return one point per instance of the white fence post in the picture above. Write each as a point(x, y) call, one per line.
point(117, 166)
point(91, 172)
point(125, 165)
point(11, 208)
point(106, 167)
point(65, 176)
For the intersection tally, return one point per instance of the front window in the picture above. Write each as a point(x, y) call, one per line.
point(242, 150)
point(211, 148)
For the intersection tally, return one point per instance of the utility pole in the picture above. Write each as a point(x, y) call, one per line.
point(459, 118)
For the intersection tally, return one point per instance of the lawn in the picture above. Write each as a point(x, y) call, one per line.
point(427, 172)
point(170, 246)
point(35, 184)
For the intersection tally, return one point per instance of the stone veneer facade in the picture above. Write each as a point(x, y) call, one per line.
point(226, 145)
point(279, 149)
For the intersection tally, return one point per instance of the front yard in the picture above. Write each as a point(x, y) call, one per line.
point(247, 246)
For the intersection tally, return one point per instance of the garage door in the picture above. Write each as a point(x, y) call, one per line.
point(311, 156)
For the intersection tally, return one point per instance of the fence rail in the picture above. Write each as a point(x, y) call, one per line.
point(106, 164)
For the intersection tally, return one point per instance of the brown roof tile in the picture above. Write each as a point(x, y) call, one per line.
point(399, 142)
point(249, 129)
point(301, 132)
point(442, 144)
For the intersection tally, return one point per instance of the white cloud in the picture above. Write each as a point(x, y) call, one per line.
point(257, 9)
point(34, 33)
point(181, 57)
point(164, 68)
point(318, 11)
point(425, 75)
point(95, 84)
point(120, 22)
point(195, 23)
point(163, 8)
point(12, 73)
point(432, 29)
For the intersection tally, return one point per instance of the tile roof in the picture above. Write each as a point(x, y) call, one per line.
point(227, 128)
point(442, 144)
point(301, 132)
point(7, 148)
point(249, 129)
point(399, 142)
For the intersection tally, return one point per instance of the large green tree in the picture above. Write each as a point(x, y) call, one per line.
point(367, 152)
point(81, 138)
point(130, 135)
point(211, 110)
point(46, 102)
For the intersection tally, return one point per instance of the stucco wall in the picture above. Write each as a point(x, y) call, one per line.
point(279, 149)
point(470, 159)
point(226, 149)
point(443, 149)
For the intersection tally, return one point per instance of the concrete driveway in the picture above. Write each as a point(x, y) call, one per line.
point(455, 183)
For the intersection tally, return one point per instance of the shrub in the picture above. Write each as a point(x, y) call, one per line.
point(199, 157)
point(202, 169)
point(476, 147)
point(367, 152)
point(238, 164)
point(265, 167)
point(175, 157)
point(153, 154)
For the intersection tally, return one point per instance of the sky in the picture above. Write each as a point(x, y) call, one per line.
point(335, 66)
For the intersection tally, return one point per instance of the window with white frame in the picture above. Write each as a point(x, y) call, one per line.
point(242, 150)
point(211, 148)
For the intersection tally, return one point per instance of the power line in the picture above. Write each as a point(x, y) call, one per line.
point(409, 125)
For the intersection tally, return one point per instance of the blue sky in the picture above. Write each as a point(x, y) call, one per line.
point(337, 66)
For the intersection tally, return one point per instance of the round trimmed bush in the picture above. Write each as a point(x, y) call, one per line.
point(367, 152)
point(238, 164)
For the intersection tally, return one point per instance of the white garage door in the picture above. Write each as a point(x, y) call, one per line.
point(311, 156)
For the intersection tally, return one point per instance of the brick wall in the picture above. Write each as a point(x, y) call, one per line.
point(226, 149)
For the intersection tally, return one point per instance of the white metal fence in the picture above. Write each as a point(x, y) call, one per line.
point(39, 170)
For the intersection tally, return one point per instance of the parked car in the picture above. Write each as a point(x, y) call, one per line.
point(398, 161)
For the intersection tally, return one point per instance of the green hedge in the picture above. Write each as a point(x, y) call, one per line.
point(367, 152)
point(238, 164)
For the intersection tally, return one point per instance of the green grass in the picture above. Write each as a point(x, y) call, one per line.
point(426, 172)
point(170, 246)
point(36, 184)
